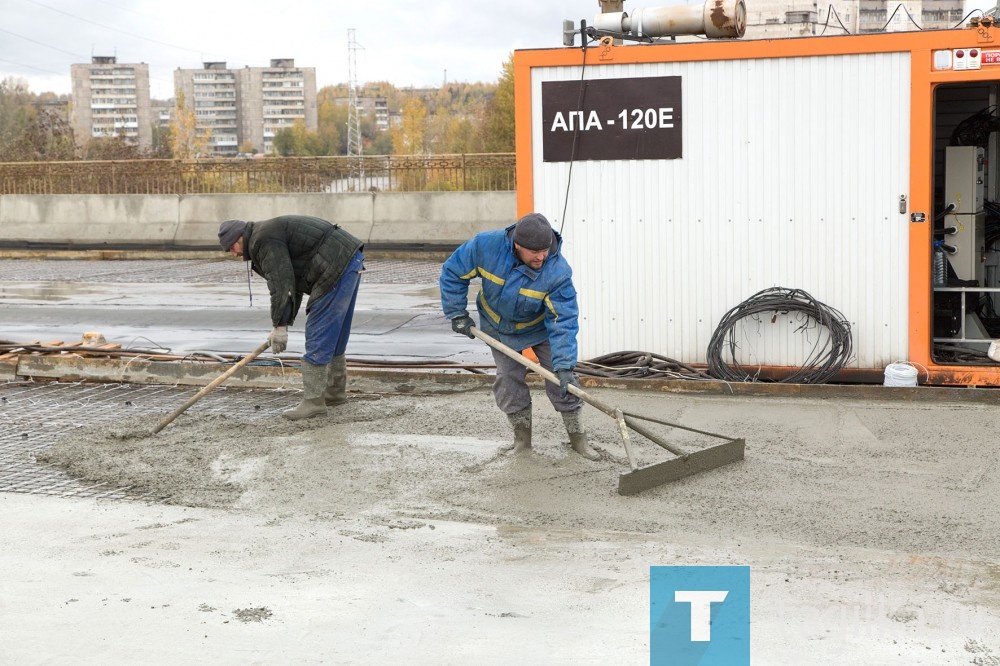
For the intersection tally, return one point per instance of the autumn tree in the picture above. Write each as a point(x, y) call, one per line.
point(29, 129)
point(185, 140)
point(112, 148)
point(498, 125)
point(455, 133)
point(408, 137)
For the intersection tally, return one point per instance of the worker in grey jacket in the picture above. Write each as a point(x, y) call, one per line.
point(297, 255)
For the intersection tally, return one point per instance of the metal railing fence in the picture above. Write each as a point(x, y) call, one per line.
point(370, 173)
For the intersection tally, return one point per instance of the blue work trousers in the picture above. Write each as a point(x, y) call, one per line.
point(328, 319)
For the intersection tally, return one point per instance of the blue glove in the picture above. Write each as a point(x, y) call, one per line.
point(566, 377)
point(463, 324)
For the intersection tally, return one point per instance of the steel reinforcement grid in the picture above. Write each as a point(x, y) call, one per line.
point(34, 415)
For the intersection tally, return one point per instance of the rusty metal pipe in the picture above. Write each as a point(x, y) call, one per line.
point(716, 19)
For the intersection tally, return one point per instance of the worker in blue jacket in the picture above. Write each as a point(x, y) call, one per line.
point(527, 300)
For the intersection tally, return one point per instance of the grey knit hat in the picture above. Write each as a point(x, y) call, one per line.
point(533, 232)
point(230, 231)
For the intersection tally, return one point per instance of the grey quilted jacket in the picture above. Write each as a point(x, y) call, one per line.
point(297, 254)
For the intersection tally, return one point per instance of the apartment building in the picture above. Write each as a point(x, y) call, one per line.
point(797, 18)
point(211, 93)
point(111, 99)
point(245, 107)
point(273, 98)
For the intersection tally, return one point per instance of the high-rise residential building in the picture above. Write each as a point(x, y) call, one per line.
point(211, 93)
point(798, 18)
point(111, 99)
point(273, 98)
point(246, 107)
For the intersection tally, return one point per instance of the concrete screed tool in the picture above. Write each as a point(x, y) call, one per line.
point(215, 382)
point(640, 479)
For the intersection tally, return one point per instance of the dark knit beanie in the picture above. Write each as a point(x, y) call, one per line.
point(533, 232)
point(230, 231)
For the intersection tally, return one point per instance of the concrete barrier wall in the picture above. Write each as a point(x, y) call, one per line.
point(382, 219)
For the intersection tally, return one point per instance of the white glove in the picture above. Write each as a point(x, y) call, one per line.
point(278, 339)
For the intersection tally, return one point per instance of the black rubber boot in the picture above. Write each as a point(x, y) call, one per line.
point(577, 435)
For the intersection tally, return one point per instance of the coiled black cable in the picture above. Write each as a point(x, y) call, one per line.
point(825, 360)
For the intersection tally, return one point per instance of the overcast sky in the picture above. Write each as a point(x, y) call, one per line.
point(405, 42)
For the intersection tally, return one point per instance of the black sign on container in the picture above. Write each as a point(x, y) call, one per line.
point(620, 119)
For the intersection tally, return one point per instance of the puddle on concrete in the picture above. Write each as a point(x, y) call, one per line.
point(48, 292)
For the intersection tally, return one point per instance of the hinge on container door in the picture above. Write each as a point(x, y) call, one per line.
point(902, 204)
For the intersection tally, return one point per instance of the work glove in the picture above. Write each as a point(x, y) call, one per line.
point(278, 339)
point(566, 377)
point(463, 324)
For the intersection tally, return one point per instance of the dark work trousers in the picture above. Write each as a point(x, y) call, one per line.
point(511, 391)
point(328, 323)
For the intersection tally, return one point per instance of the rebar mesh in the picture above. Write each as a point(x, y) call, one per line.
point(34, 415)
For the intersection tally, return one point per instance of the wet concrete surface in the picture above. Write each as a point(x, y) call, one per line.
point(190, 305)
point(397, 529)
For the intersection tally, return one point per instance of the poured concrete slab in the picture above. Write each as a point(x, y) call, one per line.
point(396, 529)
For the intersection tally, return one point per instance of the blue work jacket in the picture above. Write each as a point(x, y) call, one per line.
point(517, 305)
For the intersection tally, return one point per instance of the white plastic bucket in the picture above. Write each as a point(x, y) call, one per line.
point(900, 374)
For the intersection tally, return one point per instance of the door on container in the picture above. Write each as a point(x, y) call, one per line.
point(966, 223)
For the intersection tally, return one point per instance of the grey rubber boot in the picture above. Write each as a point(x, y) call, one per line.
point(336, 382)
point(521, 422)
point(578, 435)
point(313, 385)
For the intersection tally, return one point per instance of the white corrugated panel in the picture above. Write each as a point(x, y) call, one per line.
point(791, 176)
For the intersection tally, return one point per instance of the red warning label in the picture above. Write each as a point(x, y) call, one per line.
point(991, 57)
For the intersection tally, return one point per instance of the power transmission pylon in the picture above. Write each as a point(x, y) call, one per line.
point(355, 149)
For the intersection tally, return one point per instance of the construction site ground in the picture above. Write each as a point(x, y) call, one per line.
point(398, 529)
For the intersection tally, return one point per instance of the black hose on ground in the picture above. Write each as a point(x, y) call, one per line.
point(637, 365)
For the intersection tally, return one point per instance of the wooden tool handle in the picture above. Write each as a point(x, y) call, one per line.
point(531, 365)
point(215, 382)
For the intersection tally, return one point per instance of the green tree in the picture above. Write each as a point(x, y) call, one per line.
point(331, 122)
point(498, 124)
point(381, 144)
point(162, 142)
point(283, 143)
point(295, 140)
